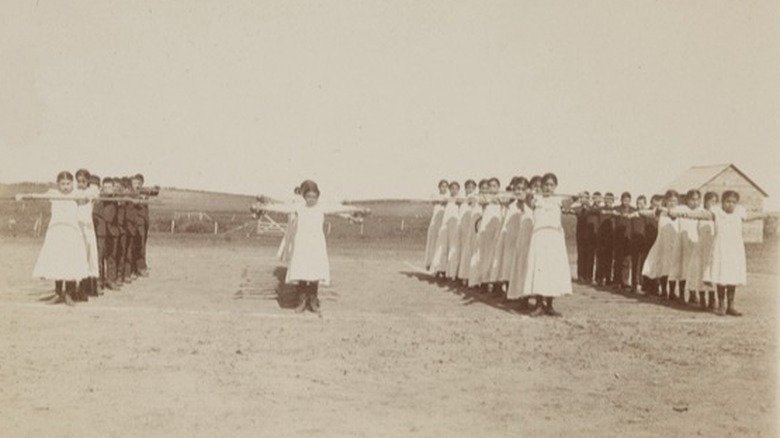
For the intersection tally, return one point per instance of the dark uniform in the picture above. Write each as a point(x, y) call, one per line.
point(100, 233)
point(604, 243)
point(639, 249)
point(592, 221)
point(121, 250)
point(621, 247)
point(583, 245)
point(132, 222)
point(142, 228)
point(651, 234)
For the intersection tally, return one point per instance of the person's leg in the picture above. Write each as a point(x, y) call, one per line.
point(730, 292)
point(548, 307)
point(70, 291)
point(314, 300)
point(721, 300)
point(711, 304)
point(538, 309)
point(702, 299)
point(302, 291)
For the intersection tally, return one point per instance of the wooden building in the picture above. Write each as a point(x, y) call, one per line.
point(723, 177)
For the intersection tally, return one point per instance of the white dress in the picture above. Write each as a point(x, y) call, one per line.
point(64, 252)
point(454, 243)
point(489, 230)
point(286, 245)
point(728, 248)
point(87, 225)
point(309, 255)
point(505, 249)
point(548, 272)
point(664, 253)
point(469, 240)
point(447, 238)
point(698, 272)
point(455, 267)
point(689, 239)
point(433, 233)
point(519, 266)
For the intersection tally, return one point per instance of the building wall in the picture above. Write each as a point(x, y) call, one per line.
point(749, 197)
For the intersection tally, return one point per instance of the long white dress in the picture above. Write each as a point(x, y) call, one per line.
point(454, 266)
point(488, 239)
point(87, 226)
point(454, 243)
point(698, 272)
point(664, 254)
point(548, 272)
point(689, 239)
point(286, 245)
point(64, 252)
point(505, 249)
point(309, 255)
point(728, 248)
point(469, 239)
point(522, 244)
point(433, 231)
point(447, 238)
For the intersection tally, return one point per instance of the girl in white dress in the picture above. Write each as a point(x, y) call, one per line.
point(507, 241)
point(548, 274)
point(63, 257)
point(453, 238)
point(464, 237)
point(663, 260)
point(468, 253)
point(439, 202)
point(309, 265)
point(729, 267)
point(447, 239)
point(522, 242)
point(285, 246)
point(689, 239)
point(89, 193)
point(698, 269)
point(490, 227)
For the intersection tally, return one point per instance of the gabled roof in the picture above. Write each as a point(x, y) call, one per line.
point(698, 176)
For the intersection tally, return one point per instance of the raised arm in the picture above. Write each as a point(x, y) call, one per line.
point(705, 215)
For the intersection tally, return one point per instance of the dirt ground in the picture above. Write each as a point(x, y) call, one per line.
point(208, 347)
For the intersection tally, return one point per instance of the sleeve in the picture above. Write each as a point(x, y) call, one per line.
point(741, 212)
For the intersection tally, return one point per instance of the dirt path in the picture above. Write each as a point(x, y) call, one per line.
point(206, 347)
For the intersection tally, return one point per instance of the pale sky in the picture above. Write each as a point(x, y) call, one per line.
point(384, 98)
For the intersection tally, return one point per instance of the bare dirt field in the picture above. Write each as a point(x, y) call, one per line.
point(208, 347)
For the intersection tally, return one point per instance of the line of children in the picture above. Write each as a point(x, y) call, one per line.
point(93, 243)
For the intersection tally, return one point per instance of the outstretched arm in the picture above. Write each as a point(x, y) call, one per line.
point(705, 215)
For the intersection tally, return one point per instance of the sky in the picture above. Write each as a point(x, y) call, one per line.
point(376, 99)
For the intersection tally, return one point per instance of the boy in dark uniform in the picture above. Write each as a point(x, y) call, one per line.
point(621, 245)
point(638, 242)
point(605, 242)
point(121, 222)
point(592, 221)
point(580, 210)
point(111, 236)
point(142, 227)
point(100, 236)
point(131, 230)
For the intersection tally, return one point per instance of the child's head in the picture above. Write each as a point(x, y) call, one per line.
point(692, 198)
point(108, 185)
point(94, 180)
point(641, 202)
point(710, 199)
point(656, 200)
point(597, 198)
point(65, 182)
point(536, 183)
point(311, 193)
point(471, 186)
point(297, 190)
point(584, 197)
point(454, 188)
point(729, 201)
point(609, 199)
point(82, 179)
point(444, 186)
point(494, 185)
point(625, 199)
point(127, 183)
point(137, 181)
point(671, 198)
point(521, 185)
point(549, 183)
point(484, 186)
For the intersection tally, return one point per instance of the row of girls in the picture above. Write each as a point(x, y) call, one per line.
point(91, 245)
point(502, 244)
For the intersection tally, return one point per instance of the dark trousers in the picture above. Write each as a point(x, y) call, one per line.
point(585, 258)
point(110, 255)
point(621, 265)
point(638, 255)
point(139, 250)
point(604, 262)
point(101, 253)
point(121, 253)
point(129, 266)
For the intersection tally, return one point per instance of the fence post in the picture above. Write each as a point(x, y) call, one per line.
point(173, 225)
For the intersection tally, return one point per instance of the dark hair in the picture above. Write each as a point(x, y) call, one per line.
point(641, 198)
point(671, 194)
point(454, 183)
point(550, 176)
point(585, 192)
point(297, 190)
point(444, 181)
point(108, 180)
point(498, 182)
point(82, 173)
point(609, 195)
point(125, 181)
point(657, 197)
point(94, 179)
point(625, 195)
point(535, 179)
point(709, 196)
point(470, 181)
point(139, 177)
point(309, 186)
point(483, 182)
point(64, 175)
point(521, 180)
point(729, 194)
point(691, 193)
point(597, 193)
